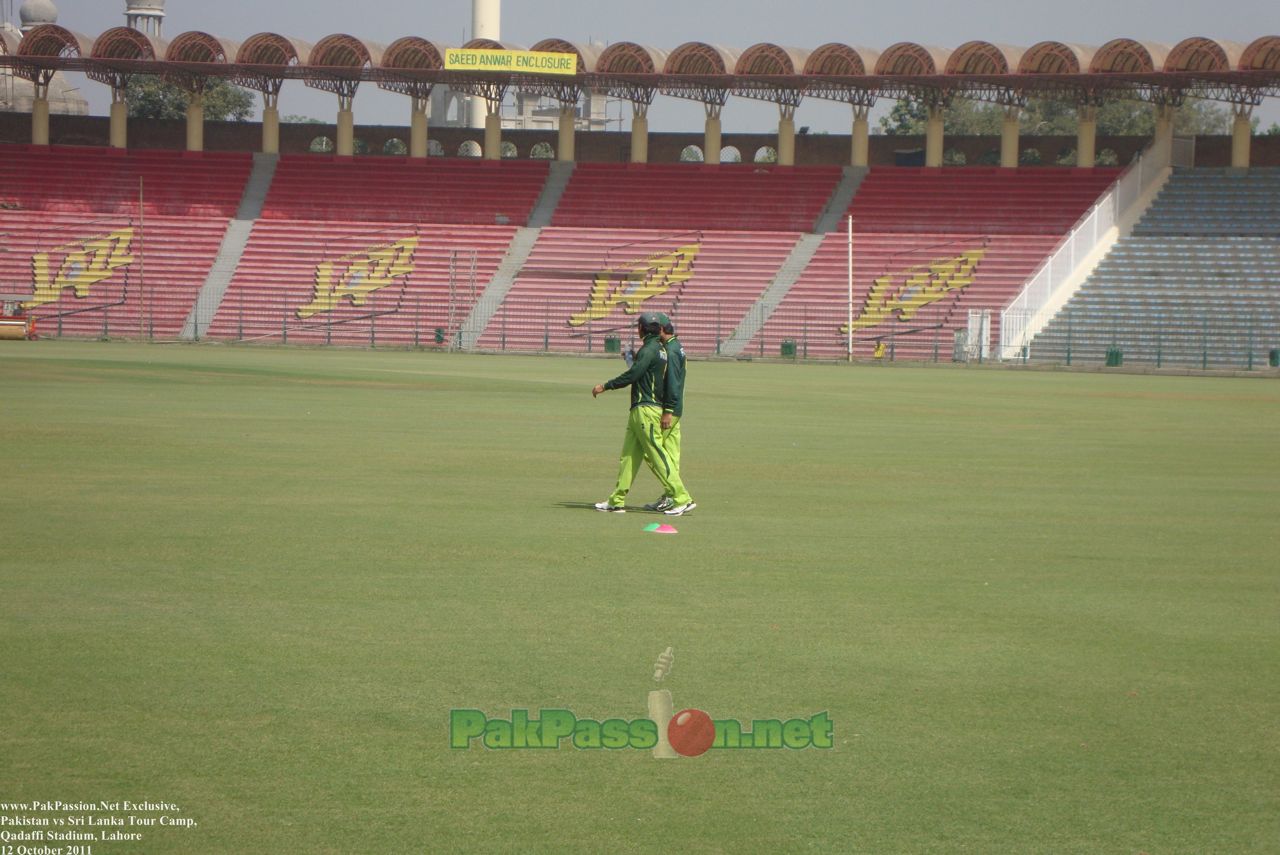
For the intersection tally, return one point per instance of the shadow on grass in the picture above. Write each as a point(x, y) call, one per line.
point(590, 506)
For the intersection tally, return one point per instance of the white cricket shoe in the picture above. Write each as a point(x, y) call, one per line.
point(681, 510)
point(660, 505)
point(613, 509)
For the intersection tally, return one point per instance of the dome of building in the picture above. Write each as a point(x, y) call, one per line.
point(33, 13)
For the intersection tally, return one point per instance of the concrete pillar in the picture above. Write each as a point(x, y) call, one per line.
point(1009, 138)
point(119, 124)
point(346, 132)
point(40, 119)
point(1241, 137)
point(933, 139)
point(1086, 135)
point(195, 123)
point(711, 140)
point(786, 141)
point(639, 138)
point(418, 128)
point(270, 130)
point(568, 118)
point(1162, 147)
point(861, 142)
point(492, 136)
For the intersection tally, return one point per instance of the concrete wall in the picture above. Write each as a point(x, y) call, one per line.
point(599, 146)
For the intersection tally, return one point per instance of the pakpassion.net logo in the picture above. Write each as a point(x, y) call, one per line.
point(690, 732)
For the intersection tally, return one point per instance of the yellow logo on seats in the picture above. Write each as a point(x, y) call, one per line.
point(85, 263)
point(909, 291)
point(359, 274)
point(630, 285)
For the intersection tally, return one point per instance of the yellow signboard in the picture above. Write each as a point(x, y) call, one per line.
point(511, 61)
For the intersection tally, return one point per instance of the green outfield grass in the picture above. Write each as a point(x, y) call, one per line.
point(1042, 609)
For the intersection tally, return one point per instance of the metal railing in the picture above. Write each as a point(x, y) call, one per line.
point(1023, 317)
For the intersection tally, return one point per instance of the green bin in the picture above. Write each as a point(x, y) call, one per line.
point(612, 344)
point(789, 347)
point(1115, 357)
point(1273, 358)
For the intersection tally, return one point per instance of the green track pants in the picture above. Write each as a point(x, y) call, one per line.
point(643, 443)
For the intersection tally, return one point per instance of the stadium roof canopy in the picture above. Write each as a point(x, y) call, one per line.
point(1121, 68)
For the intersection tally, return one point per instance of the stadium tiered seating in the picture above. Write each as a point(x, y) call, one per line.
point(705, 280)
point(906, 218)
point(1196, 284)
point(138, 275)
point(405, 190)
point(112, 181)
point(285, 260)
point(727, 197)
point(150, 294)
point(989, 200)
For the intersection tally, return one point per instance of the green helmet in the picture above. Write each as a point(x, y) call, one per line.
point(649, 323)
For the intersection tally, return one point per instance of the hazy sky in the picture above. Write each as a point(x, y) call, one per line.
point(667, 23)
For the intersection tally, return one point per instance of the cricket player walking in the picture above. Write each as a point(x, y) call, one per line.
point(643, 441)
point(672, 400)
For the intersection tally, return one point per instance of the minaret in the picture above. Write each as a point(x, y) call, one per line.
point(33, 13)
point(486, 23)
point(146, 16)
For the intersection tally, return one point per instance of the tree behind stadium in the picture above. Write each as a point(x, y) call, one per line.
point(152, 98)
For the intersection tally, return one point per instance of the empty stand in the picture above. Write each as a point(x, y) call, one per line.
point(134, 280)
point(1195, 285)
point(669, 197)
point(95, 261)
point(405, 190)
point(906, 219)
point(357, 283)
point(76, 180)
point(706, 280)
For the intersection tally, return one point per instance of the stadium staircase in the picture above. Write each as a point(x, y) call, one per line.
point(113, 243)
point(498, 287)
point(552, 192)
point(832, 216)
point(929, 245)
point(1197, 283)
point(801, 254)
point(517, 253)
point(581, 288)
point(234, 240)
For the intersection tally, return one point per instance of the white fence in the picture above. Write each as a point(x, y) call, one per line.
point(1022, 318)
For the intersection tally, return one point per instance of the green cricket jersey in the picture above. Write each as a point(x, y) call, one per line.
point(646, 374)
point(673, 396)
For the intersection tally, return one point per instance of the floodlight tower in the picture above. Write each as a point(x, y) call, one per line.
point(486, 23)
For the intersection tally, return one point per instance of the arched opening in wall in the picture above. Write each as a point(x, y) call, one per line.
point(691, 154)
point(434, 149)
point(730, 154)
point(508, 150)
point(321, 145)
point(1066, 156)
point(360, 146)
point(954, 157)
point(1030, 157)
point(1107, 157)
point(470, 148)
point(395, 146)
point(766, 154)
point(542, 151)
point(990, 157)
